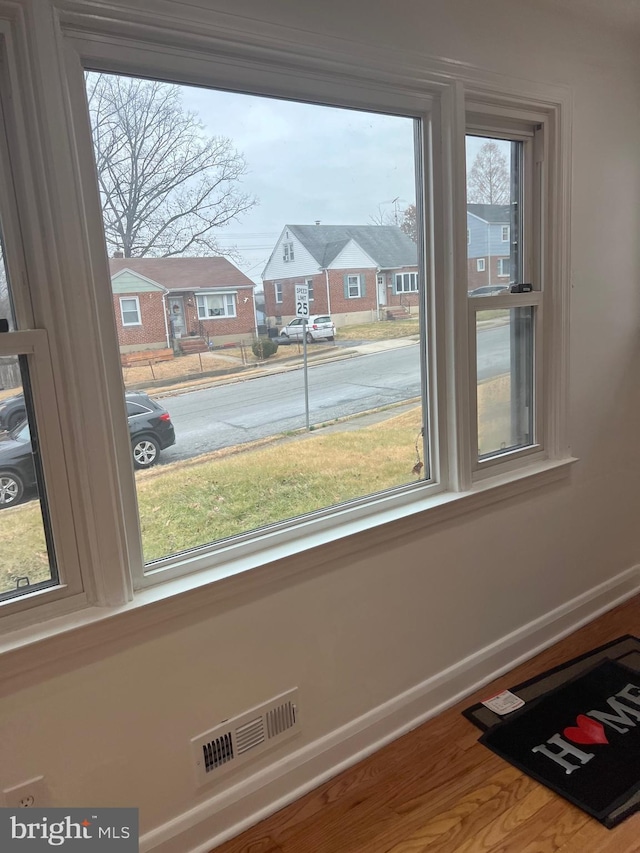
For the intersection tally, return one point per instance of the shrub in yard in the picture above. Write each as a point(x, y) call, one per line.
point(264, 348)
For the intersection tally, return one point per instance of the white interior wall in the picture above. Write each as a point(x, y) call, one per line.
point(355, 633)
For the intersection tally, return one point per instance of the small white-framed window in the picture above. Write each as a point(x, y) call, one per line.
point(480, 265)
point(130, 311)
point(507, 390)
point(406, 282)
point(504, 267)
point(309, 283)
point(216, 305)
point(277, 290)
point(287, 252)
point(353, 286)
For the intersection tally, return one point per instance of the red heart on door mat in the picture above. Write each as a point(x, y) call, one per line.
point(587, 731)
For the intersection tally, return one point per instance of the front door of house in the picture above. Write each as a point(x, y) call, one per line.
point(176, 312)
point(382, 289)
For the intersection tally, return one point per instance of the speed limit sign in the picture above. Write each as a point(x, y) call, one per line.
point(302, 300)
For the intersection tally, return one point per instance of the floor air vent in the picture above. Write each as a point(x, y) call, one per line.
point(234, 741)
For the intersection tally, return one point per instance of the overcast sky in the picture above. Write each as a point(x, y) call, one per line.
point(307, 162)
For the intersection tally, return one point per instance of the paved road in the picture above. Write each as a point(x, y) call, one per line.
point(223, 415)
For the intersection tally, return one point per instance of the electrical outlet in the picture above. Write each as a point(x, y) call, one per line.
point(26, 795)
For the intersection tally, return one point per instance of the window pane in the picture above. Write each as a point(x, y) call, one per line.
point(504, 341)
point(26, 553)
point(227, 360)
point(494, 192)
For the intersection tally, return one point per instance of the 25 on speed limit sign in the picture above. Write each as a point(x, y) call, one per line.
point(302, 300)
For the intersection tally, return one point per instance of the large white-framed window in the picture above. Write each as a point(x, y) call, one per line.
point(101, 507)
point(130, 311)
point(406, 282)
point(216, 305)
point(277, 292)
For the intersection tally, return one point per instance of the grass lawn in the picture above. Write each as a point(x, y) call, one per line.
point(384, 330)
point(188, 504)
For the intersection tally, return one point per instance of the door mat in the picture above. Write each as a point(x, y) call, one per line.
point(582, 740)
point(625, 650)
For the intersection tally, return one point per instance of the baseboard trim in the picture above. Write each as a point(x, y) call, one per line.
point(236, 808)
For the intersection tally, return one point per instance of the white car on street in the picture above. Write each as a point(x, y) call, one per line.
point(318, 326)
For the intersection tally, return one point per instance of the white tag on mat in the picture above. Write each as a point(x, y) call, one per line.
point(504, 703)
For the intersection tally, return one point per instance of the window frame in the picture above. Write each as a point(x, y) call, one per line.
point(481, 264)
point(103, 501)
point(309, 283)
point(536, 243)
point(501, 263)
point(357, 284)
point(278, 292)
point(136, 300)
point(413, 277)
point(226, 313)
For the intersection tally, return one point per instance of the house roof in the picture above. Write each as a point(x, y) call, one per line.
point(387, 245)
point(491, 212)
point(184, 273)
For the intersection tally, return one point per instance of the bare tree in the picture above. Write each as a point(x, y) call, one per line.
point(488, 180)
point(382, 217)
point(165, 185)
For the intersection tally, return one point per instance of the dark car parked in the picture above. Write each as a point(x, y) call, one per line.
point(12, 412)
point(150, 429)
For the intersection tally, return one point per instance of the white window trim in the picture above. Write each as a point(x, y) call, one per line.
point(135, 299)
point(357, 76)
point(501, 267)
point(357, 284)
point(506, 233)
point(401, 290)
point(278, 292)
point(480, 265)
point(309, 283)
point(226, 314)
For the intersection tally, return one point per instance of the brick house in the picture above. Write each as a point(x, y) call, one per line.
point(167, 302)
point(488, 244)
point(356, 273)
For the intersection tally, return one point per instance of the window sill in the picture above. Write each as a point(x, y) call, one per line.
point(71, 640)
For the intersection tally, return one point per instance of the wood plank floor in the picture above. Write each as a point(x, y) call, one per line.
point(437, 789)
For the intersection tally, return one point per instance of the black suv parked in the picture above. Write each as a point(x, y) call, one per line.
point(150, 428)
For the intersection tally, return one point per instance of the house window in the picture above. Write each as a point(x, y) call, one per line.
point(468, 237)
point(406, 282)
point(130, 311)
point(352, 287)
point(211, 306)
point(507, 391)
point(277, 287)
point(309, 283)
point(504, 267)
point(287, 252)
point(244, 498)
point(480, 265)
